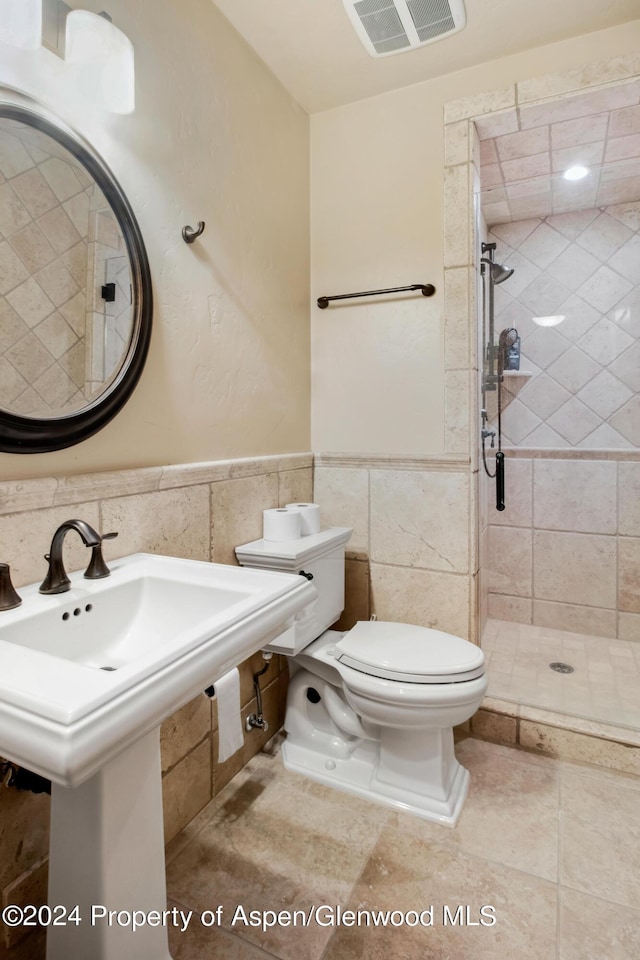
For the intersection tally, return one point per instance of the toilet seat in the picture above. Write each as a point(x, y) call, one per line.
point(408, 653)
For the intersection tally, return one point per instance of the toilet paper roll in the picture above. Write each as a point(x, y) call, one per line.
point(230, 735)
point(281, 523)
point(309, 517)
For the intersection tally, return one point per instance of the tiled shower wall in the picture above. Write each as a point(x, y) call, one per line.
point(579, 384)
point(198, 511)
point(565, 553)
point(44, 229)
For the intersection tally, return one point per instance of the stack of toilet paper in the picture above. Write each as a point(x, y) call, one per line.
point(291, 522)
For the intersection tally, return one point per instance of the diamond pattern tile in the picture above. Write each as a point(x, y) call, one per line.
point(605, 341)
point(574, 421)
point(55, 230)
point(605, 394)
point(585, 266)
point(573, 369)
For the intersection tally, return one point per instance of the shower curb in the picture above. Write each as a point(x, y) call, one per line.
point(556, 735)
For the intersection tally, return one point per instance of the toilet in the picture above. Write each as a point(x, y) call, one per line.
point(371, 710)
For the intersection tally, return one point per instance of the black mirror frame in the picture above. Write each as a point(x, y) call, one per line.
point(31, 435)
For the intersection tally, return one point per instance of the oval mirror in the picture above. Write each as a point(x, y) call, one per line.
point(75, 286)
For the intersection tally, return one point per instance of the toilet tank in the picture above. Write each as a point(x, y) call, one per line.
point(319, 556)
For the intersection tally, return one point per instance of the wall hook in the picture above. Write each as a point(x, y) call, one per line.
point(189, 234)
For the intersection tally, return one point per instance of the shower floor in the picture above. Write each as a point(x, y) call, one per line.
point(604, 686)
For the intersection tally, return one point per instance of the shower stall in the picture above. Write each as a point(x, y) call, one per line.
point(559, 235)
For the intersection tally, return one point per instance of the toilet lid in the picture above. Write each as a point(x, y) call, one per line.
point(403, 651)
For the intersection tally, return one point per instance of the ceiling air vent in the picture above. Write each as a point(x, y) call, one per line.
point(391, 26)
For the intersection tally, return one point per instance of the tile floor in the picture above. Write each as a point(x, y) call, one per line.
point(605, 685)
point(553, 847)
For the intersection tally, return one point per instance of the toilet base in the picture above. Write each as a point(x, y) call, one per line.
point(359, 775)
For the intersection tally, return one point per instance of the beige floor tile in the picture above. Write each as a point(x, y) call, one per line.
point(590, 927)
point(200, 942)
point(600, 838)
point(276, 841)
point(605, 684)
point(511, 813)
point(405, 875)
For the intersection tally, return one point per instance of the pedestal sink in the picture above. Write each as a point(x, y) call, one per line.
point(86, 679)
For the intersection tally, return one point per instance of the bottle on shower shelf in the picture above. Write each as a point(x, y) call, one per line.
point(512, 351)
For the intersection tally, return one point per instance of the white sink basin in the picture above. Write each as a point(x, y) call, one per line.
point(85, 673)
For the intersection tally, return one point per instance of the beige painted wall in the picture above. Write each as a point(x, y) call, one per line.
point(214, 137)
point(377, 175)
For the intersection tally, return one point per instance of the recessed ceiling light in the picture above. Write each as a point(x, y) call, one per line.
point(575, 173)
point(549, 321)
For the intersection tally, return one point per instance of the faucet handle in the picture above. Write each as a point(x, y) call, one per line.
point(97, 567)
point(8, 596)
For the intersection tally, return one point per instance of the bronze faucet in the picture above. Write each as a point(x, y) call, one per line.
point(56, 580)
point(8, 596)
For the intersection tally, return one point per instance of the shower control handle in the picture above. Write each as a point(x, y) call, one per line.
point(500, 480)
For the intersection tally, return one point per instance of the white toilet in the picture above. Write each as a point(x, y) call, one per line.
point(371, 711)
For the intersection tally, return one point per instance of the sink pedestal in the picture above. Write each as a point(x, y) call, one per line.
point(107, 848)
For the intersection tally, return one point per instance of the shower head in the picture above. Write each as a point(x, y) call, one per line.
point(499, 272)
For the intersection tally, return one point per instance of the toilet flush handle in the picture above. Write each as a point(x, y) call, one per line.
point(309, 576)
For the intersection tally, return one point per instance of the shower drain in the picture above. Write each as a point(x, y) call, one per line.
point(560, 667)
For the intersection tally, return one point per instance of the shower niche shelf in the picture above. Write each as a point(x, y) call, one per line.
point(513, 382)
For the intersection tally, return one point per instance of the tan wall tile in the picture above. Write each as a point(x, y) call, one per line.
point(577, 619)
point(295, 486)
point(456, 227)
point(576, 495)
point(343, 495)
point(629, 499)
point(173, 522)
point(423, 597)
point(474, 106)
point(420, 519)
point(357, 604)
point(629, 626)
point(517, 609)
point(557, 576)
point(186, 789)
point(510, 561)
point(26, 537)
point(24, 833)
point(184, 730)
point(553, 85)
point(494, 726)
point(457, 324)
point(456, 143)
point(457, 411)
point(629, 574)
point(569, 745)
point(236, 512)
point(30, 888)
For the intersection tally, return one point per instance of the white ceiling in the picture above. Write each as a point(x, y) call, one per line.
point(312, 48)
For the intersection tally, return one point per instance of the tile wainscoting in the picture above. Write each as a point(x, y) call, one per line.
point(565, 553)
point(411, 555)
point(198, 511)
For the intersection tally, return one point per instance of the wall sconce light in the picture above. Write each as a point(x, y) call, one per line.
point(21, 23)
point(98, 57)
point(101, 61)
